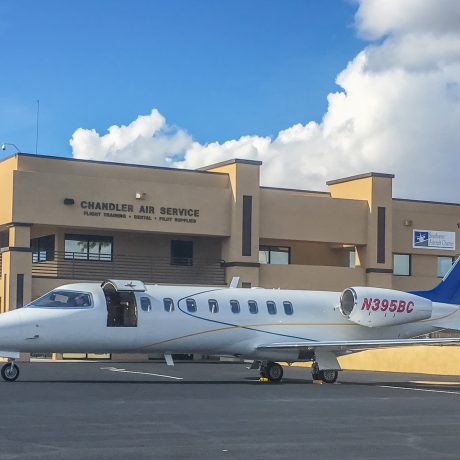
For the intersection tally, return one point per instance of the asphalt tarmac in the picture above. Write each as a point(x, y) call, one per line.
point(106, 410)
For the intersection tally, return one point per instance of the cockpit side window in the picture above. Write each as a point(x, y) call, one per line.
point(63, 299)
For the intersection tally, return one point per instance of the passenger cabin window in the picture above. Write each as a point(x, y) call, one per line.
point(121, 308)
point(88, 247)
point(191, 305)
point(213, 306)
point(235, 306)
point(145, 304)
point(253, 307)
point(271, 307)
point(168, 305)
point(63, 299)
point(288, 308)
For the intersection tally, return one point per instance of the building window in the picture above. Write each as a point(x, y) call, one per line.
point(42, 248)
point(213, 306)
point(288, 308)
point(402, 264)
point(253, 307)
point(181, 252)
point(352, 259)
point(168, 305)
point(235, 306)
point(444, 265)
point(274, 255)
point(271, 307)
point(191, 305)
point(4, 239)
point(88, 247)
point(145, 304)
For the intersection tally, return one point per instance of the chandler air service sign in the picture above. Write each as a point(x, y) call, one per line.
point(125, 211)
point(433, 239)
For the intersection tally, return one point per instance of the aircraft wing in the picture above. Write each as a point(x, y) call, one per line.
point(357, 345)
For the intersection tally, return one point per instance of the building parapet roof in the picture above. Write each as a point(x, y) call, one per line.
point(230, 162)
point(360, 176)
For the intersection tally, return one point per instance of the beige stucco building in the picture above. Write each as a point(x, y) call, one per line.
point(64, 220)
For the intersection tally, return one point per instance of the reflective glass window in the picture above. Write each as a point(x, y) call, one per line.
point(145, 304)
point(63, 299)
point(191, 305)
point(88, 247)
point(401, 264)
point(274, 255)
point(168, 304)
point(42, 248)
point(213, 306)
point(235, 306)
point(253, 307)
point(271, 307)
point(288, 308)
point(444, 265)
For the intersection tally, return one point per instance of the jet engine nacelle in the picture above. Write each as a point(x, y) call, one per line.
point(374, 307)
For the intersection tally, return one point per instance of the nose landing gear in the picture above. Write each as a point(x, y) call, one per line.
point(10, 371)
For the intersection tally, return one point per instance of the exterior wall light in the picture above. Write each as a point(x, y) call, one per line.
point(69, 201)
point(140, 195)
point(407, 223)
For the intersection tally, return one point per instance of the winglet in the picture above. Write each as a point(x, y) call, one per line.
point(234, 282)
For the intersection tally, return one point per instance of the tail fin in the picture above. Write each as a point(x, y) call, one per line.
point(448, 290)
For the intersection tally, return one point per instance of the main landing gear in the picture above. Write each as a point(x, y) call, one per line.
point(10, 371)
point(326, 375)
point(271, 371)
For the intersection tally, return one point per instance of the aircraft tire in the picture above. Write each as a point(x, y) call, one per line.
point(315, 372)
point(329, 376)
point(10, 372)
point(274, 372)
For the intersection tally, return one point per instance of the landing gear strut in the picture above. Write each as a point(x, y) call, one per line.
point(10, 372)
point(272, 371)
point(326, 375)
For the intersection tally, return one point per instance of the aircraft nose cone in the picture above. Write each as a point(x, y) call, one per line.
point(11, 331)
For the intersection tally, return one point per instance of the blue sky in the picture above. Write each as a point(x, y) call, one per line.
point(218, 69)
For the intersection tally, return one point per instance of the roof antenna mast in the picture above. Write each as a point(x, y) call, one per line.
point(36, 137)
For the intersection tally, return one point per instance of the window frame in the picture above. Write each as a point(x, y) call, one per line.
point(253, 311)
point(285, 304)
point(234, 310)
point(141, 301)
point(437, 265)
point(180, 261)
point(68, 255)
point(215, 304)
point(410, 263)
point(49, 252)
point(170, 308)
point(275, 309)
point(270, 249)
point(191, 305)
point(77, 293)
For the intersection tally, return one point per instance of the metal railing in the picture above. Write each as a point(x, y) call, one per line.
point(65, 265)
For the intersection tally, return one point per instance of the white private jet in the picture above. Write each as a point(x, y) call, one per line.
point(263, 325)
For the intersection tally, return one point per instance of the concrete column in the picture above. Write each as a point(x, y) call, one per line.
point(16, 283)
point(376, 256)
point(241, 250)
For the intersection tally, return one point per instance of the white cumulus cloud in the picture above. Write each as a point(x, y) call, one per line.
point(398, 111)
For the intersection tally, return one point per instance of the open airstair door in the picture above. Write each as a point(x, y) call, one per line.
point(121, 302)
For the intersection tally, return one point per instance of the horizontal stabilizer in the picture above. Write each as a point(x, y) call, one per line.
point(357, 345)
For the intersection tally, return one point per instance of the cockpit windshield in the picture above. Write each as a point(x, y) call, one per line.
point(63, 299)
